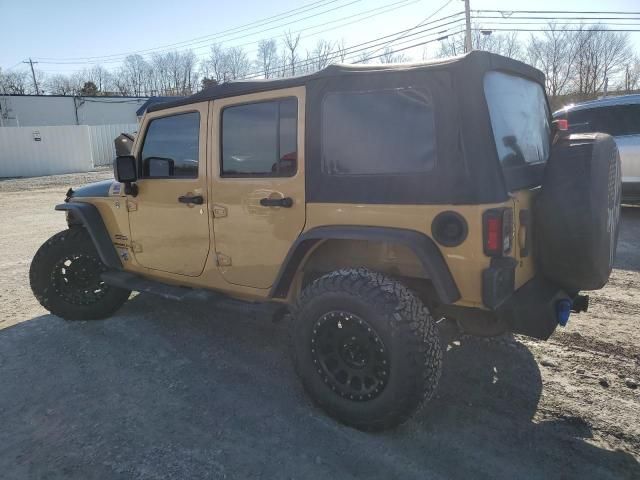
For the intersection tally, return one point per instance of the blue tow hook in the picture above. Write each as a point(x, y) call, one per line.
point(563, 310)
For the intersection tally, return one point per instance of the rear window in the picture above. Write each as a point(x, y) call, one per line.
point(520, 119)
point(618, 120)
point(378, 132)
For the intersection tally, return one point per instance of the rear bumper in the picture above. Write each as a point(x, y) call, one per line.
point(531, 310)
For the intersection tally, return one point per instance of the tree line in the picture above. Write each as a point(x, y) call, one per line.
point(579, 62)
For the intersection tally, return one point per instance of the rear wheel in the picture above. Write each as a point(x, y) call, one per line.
point(366, 348)
point(65, 278)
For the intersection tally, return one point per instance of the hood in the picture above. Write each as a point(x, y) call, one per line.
point(96, 189)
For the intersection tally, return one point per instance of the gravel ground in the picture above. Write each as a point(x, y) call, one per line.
point(194, 390)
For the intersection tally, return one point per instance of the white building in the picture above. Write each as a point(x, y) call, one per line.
point(55, 110)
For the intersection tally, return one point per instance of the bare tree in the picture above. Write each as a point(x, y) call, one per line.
point(215, 66)
point(136, 74)
point(600, 56)
point(99, 76)
point(502, 44)
point(60, 85)
point(553, 52)
point(291, 43)
point(237, 63)
point(322, 55)
point(267, 58)
point(631, 80)
point(341, 50)
point(14, 83)
point(388, 56)
point(364, 57)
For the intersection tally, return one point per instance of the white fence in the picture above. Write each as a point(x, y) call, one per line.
point(103, 150)
point(35, 151)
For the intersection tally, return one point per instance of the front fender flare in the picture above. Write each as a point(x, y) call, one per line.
point(89, 216)
point(433, 264)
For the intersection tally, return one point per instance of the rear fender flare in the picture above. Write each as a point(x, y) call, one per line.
point(89, 216)
point(433, 264)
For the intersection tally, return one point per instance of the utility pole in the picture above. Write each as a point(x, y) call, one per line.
point(33, 74)
point(467, 39)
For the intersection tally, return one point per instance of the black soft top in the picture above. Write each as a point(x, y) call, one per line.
point(467, 169)
point(474, 62)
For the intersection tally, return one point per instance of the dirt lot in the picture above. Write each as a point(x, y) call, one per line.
point(174, 390)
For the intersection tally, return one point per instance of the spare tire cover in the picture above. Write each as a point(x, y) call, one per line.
point(578, 211)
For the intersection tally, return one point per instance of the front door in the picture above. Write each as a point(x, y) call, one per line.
point(169, 218)
point(258, 188)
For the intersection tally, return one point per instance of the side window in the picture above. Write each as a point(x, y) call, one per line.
point(171, 147)
point(616, 120)
point(378, 132)
point(260, 139)
point(582, 121)
point(624, 120)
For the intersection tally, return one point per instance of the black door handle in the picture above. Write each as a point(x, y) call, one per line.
point(197, 199)
point(286, 202)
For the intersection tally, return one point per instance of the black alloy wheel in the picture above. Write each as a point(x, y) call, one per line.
point(350, 356)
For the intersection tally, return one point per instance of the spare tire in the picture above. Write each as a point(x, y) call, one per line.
point(578, 211)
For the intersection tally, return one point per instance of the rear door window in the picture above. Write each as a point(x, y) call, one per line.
point(260, 139)
point(378, 132)
point(519, 118)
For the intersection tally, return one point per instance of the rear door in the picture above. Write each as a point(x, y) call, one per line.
point(520, 122)
point(168, 218)
point(258, 188)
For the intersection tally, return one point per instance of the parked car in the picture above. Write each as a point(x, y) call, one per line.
point(368, 201)
point(619, 117)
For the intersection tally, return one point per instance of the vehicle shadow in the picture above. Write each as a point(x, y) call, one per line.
point(175, 390)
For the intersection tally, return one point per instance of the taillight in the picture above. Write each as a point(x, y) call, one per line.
point(497, 231)
point(562, 124)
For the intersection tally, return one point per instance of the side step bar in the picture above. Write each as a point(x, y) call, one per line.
point(131, 281)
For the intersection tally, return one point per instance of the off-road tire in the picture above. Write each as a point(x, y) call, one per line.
point(74, 241)
point(577, 213)
point(403, 324)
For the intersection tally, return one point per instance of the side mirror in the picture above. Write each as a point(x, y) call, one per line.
point(159, 167)
point(124, 169)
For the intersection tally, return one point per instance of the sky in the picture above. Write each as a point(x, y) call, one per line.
point(58, 32)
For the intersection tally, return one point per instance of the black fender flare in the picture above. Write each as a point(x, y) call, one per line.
point(89, 217)
point(433, 264)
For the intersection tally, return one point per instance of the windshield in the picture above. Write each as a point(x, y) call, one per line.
point(520, 119)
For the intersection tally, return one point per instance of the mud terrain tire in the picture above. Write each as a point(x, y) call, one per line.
point(65, 278)
point(405, 358)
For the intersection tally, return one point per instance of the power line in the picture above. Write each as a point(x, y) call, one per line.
point(349, 51)
point(564, 30)
point(421, 23)
point(500, 17)
point(256, 23)
point(121, 57)
point(351, 22)
point(587, 25)
point(379, 11)
point(577, 12)
point(410, 46)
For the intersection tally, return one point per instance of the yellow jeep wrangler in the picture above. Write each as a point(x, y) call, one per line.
point(369, 202)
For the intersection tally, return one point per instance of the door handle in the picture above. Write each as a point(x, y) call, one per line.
point(195, 199)
point(286, 202)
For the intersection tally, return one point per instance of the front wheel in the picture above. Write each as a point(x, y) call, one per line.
point(366, 348)
point(65, 278)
